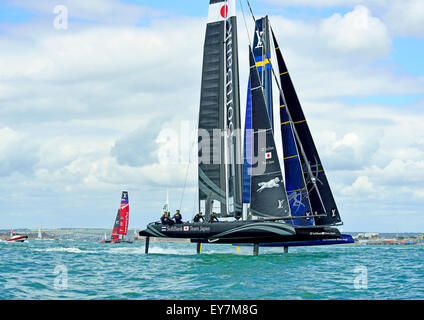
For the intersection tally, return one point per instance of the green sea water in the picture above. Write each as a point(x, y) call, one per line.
point(91, 270)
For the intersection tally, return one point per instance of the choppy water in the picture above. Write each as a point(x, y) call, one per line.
point(90, 270)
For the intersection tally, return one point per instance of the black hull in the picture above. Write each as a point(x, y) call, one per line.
point(254, 231)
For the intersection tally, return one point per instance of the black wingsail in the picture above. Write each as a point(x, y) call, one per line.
point(268, 196)
point(220, 159)
point(320, 195)
point(116, 226)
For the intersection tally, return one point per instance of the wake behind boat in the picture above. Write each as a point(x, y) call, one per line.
point(266, 206)
point(120, 228)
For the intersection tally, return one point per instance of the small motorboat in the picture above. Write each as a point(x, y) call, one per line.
point(16, 237)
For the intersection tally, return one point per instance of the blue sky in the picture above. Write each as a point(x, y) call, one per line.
point(78, 105)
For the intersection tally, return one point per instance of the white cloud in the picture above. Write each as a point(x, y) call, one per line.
point(325, 3)
point(419, 193)
point(357, 30)
point(18, 154)
point(402, 17)
point(105, 11)
point(334, 58)
point(362, 186)
point(405, 17)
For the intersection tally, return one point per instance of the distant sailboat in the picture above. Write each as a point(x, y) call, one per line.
point(39, 236)
point(120, 227)
point(268, 209)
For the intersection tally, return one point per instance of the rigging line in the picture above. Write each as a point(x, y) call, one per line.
point(251, 11)
point(187, 172)
point(245, 23)
point(194, 204)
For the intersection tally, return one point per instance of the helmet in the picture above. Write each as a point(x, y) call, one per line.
point(178, 211)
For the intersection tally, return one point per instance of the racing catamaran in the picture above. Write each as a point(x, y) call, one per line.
point(120, 228)
point(248, 187)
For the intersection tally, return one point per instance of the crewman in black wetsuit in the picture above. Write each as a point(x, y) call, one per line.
point(213, 218)
point(166, 220)
point(177, 217)
point(198, 216)
point(162, 219)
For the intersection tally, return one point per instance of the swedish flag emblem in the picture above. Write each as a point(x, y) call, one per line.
point(263, 62)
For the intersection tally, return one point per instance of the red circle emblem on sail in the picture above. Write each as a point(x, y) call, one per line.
point(224, 11)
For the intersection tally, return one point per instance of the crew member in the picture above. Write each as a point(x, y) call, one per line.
point(166, 220)
point(198, 216)
point(213, 218)
point(164, 215)
point(177, 217)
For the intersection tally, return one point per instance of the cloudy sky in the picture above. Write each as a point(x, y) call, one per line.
point(108, 102)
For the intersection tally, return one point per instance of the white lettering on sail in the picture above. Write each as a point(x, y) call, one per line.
point(229, 80)
point(230, 156)
point(259, 35)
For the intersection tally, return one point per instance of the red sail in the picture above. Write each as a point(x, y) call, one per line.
point(124, 212)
